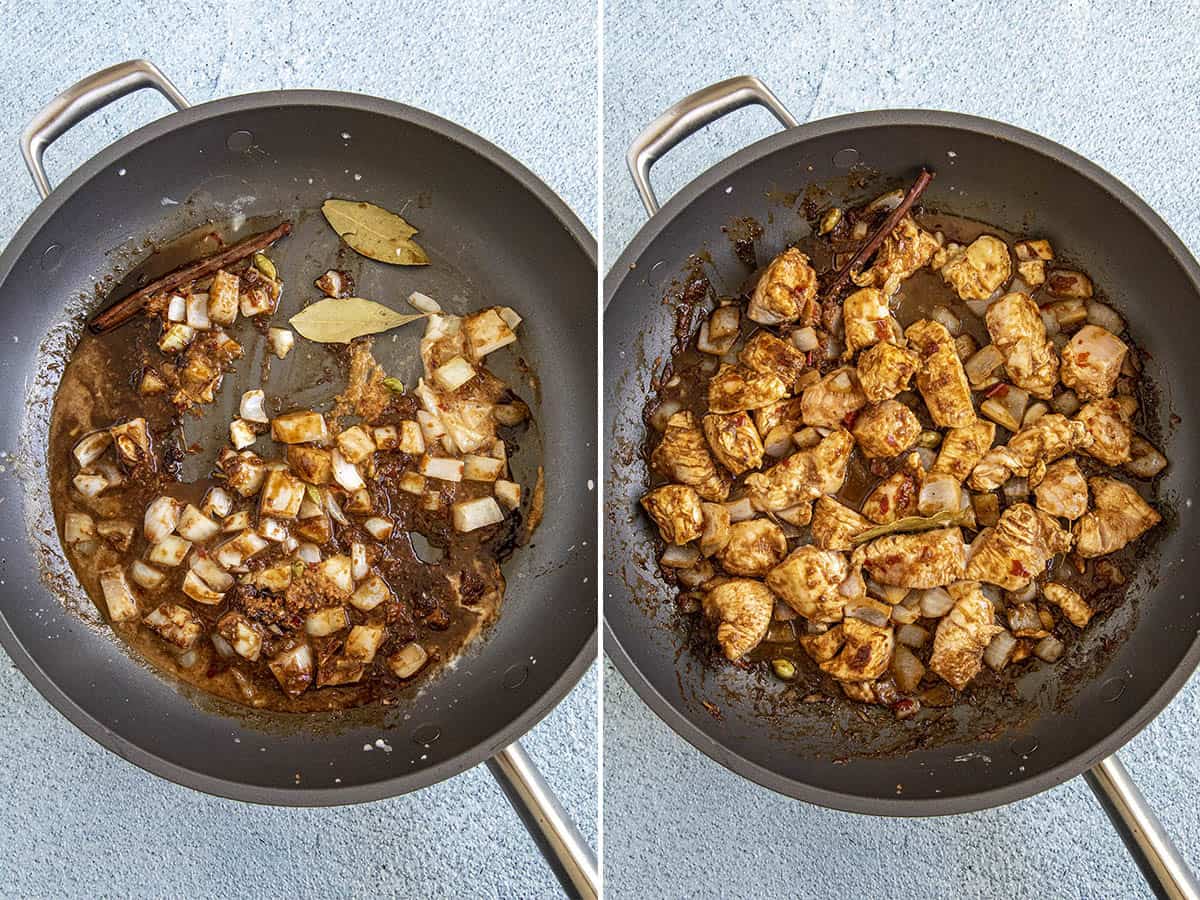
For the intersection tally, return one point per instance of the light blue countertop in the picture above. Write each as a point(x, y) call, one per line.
point(1116, 82)
point(78, 821)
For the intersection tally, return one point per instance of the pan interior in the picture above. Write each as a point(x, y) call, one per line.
point(1060, 719)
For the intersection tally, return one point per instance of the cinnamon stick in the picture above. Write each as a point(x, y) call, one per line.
point(864, 253)
point(125, 309)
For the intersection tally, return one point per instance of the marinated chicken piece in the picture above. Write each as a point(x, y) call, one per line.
point(1062, 490)
point(978, 270)
point(923, 560)
point(885, 370)
point(885, 429)
point(733, 439)
point(866, 654)
point(754, 548)
point(682, 456)
point(1110, 429)
point(940, 378)
point(1029, 451)
point(963, 634)
point(963, 448)
point(742, 610)
point(1091, 362)
point(823, 647)
point(771, 355)
point(807, 581)
point(1017, 549)
point(906, 249)
point(786, 292)
point(784, 412)
point(897, 495)
point(1119, 515)
point(735, 388)
point(1074, 607)
point(827, 403)
point(803, 476)
point(997, 466)
point(834, 524)
point(716, 528)
point(868, 320)
point(675, 508)
point(1018, 332)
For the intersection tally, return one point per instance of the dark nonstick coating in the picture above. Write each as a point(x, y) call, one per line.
point(1126, 666)
point(498, 235)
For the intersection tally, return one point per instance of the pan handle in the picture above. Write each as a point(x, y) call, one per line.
point(562, 845)
point(82, 99)
point(1147, 842)
point(687, 117)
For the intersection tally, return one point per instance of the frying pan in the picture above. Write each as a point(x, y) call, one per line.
point(1125, 668)
point(496, 234)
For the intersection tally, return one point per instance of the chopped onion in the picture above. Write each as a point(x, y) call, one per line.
point(91, 484)
point(1146, 461)
point(1005, 405)
point(91, 447)
point(177, 307)
point(379, 528)
point(197, 312)
point(889, 201)
point(469, 515)
point(979, 307)
point(332, 507)
point(1050, 321)
point(453, 374)
point(1066, 403)
point(1034, 412)
point(281, 341)
point(992, 593)
point(907, 669)
point(902, 615)
point(936, 602)
point(888, 593)
point(346, 474)
point(783, 612)
point(426, 304)
point(162, 515)
point(1024, 617)
point(309, 553)
point(1000, 651)
point(912, 635)
point(1026, 594)
point(223, 647)
point(407, 661)
point(945, 317)
point(853, 586)
point(926, 456)
point(666, 409)
point(982, 365)
point(806, 438)
point(252, 407)
point(940, 493)
point(740, 510)
point(867, 610)
point(805, 339)
point(145, 575)
point(1049, 649)
point(1016, 488)
point(778, 442)
point(1105, 316)
point(694, 577)
point(441, 467)
point(680, 556)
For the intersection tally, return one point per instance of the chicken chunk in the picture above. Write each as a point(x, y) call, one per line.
point(834, 524)
point(788, 412)
point(1119, 515)
point(771, 355)
point(963, 634)
point(866, 654)
point(675, 508)
point(735, 388)
point(1018, 332)
point(885, 370)
point(716, 528)
point(1091, 362)
point(1062, 490)
point(906, 249)
point(1029, 451)
point(1110, 429)
point(807, 581)
point(978, 270)
point(963, 448)
point(867, 319)
point(823, 647)
point(786, 292)
point(742, 609)
point(803, 476)
point(896, 496)
point(1017, 549)
point(734, 441)
point(940, 378)
point(1074, 607)
point(885, 429)
point(827, 403)
point(754, 548)
point(682, 456)
point(924, 560)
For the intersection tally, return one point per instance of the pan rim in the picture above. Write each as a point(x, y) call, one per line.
point(297, 796)
point(1017, 789)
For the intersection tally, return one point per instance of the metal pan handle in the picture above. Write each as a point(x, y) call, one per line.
point(562, 845)
point(687, 117)
point(82, 99)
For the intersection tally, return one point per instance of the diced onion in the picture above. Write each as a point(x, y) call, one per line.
point(936, 602)
point(902, 615)
point(1049, 649)
point(1066, 403)
point(1016, 488)
point(223, 647)
point(805, 339)
point(979, 307)
point(680, 556)
point(889, 201)
point(907, 669)
point(379, 528)
point(469, 515)
point(309, 553)
point(912, 635)
point(940, 493)
point(252, 407)
point(867, 610)
point(853, 585)
point(666, 409)
point(424, 303)
point(1025, 594)
point(1105, 316)
point(740, 510)
point(281, 341)
point(778, 442)
point(346, 474)
point(1050, 321)
point(1000, 651)
point(945, 317)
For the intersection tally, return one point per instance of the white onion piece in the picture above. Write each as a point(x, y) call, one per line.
point(1034, 412)
point(912, 635)
point(902, 615)
point(426, 304)
point(907, 669)
point(740, 510)
point(472, 514)
point(926, 456)
point(1049, 649)
point(379, 528)
point(346, 474)
point(281, 341)
point(334, 510)
point(783, 612)
point(936, 602)
point(197, 312)
point(162, 515)
point(805, 339)
point(867, 610)
point(978, 307)
point(177, 308)
point(940, 493)
point(778, 442)
point(666, 409)
point(1025, 594)
point(358, 561)
point(1105, 316)
point(992, 593)
point(680, 556)
point(309, 553)
point(1016, 488)
point(945, 317)
point(889, 201)
point(853, 585)
point(1050, 321)
point(91, 447)
point(252, 407)
point(1066, 403)
point(1000, 651)
point(223, 647)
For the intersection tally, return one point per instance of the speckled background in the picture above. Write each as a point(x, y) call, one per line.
point(1116, 82)
point(78, 821)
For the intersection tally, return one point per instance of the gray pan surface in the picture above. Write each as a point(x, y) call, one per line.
point(1124, 669)
point(496, 234)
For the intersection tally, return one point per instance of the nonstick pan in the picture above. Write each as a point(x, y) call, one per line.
point(1067, 720)
point(497, 235)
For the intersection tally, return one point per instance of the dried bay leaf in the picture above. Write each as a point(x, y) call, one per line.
point(909, 524)
point(334, 321)
point(374, 232)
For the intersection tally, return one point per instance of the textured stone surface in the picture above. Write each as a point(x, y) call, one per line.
point(1118, 84)
point(78, 821)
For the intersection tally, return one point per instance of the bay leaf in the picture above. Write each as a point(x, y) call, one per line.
point(374, 232)
point(334, 321)
point(909, 524)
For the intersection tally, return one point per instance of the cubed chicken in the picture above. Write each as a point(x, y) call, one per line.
point(1110, 429)
point(807, 580)
point(829, 402)
point(771, 355)
point(717, 524)
point(683, 457)
point(734, 441)
point(675, 508)
point(963, 634)
point(834, 524)
point(1017, 549)
point(884, 370)
point(866, 654)
point(753, 549)
point(867, 319)
point(896, 496)
point(1074, 607)
point(786, 413)
point(978, 270)
point(924, 560)
point(176, 624)
point(1091, 362)
point(735, 388)
point(1118, 516)
point(741, 609)
point(823, 647)
point(786, 292)
point(803, 476)
point(909, 247)
point(940, 378)
point(1015, 324)
point(1063, 490)
point(1029, 451)
point(885, 429)
point(963, 448)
